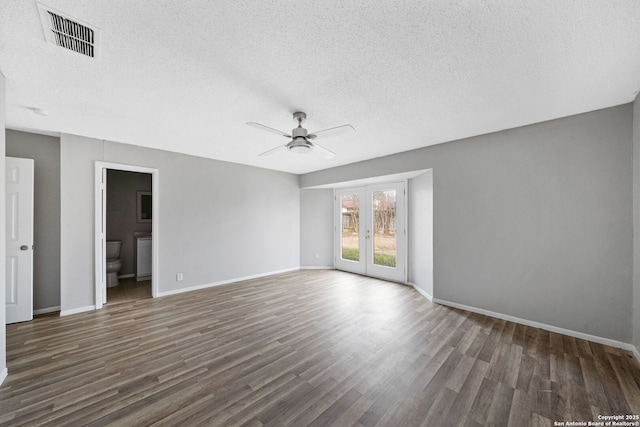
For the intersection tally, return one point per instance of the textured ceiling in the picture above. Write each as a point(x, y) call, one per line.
point(186, 76)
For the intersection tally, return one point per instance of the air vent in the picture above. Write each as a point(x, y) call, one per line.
point(68, 33)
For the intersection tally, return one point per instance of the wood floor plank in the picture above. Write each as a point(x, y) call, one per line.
point(520, 413)
point(353, 413)
point(316, 347)
point(461, 406)
point(500, 408)
point(626, 379)
point(304, 402)
point(479, 411)
point(525, 372)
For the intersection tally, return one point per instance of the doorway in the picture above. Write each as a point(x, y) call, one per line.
point(371, 231)
point(141, 238)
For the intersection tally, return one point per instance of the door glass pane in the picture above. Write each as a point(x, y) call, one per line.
point(384, 228)
point(350, 207)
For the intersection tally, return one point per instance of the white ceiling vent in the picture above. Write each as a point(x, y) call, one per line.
point(67, 32)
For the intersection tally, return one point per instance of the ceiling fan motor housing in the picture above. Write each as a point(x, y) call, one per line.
point(299, 132)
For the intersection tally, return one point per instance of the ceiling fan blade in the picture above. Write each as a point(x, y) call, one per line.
point(268, 129)
point(273, 150)
point(326, 133)
point(327, 154)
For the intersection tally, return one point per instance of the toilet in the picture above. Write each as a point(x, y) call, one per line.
point(113, 262)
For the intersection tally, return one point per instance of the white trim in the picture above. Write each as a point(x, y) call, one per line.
point(99, 244)
point(335, 229)
point(77, 310)
point(126, 276)
point(317, 267)
point(405, 194)
point(421, 291)
point(46, 310)
point(546, 327)
point(3, 375)
point(636, 352)
point(155, 225)
point(225, 282)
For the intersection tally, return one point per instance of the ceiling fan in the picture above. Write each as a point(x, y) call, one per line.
point(301, 140)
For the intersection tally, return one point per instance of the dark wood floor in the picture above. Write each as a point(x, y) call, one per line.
point(305, 348)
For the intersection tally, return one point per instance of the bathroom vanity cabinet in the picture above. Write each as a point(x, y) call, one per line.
point(144, 258)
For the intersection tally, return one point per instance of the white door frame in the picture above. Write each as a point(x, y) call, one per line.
point(100, 222)
point(366, 255)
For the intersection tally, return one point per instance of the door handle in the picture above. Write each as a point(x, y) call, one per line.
point(24, 247)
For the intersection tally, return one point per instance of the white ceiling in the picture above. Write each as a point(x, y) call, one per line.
point(186, 76)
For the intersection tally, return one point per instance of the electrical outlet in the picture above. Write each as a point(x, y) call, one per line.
point(179, 277)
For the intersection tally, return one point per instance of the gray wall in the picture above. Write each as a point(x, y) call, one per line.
point(636, 223)
point(3, 309)
point(77, 157)
point(420, 241)
point(45, 151)
point(534, 222)
point(316, 228)
point(218, 221)
point(122, 204)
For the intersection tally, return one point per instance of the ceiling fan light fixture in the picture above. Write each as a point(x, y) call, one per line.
point(300, 149)
point(299, 146)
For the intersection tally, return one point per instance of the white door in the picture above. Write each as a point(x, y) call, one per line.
point(19, 243)
point(371, 232)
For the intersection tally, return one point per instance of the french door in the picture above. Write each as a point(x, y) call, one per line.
point(370, 231)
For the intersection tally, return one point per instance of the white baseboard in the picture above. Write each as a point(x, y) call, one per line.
point(3, 375)
point(636, 353)
point(317, 267)
point(421, 291)
point(224, 282)
point(77, 310)
point(46, 310)
point(126, 276)
point(544, 326)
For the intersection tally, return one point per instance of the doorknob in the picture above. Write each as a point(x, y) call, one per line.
point(24, 247)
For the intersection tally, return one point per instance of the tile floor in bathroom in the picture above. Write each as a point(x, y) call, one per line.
point(128, 290)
